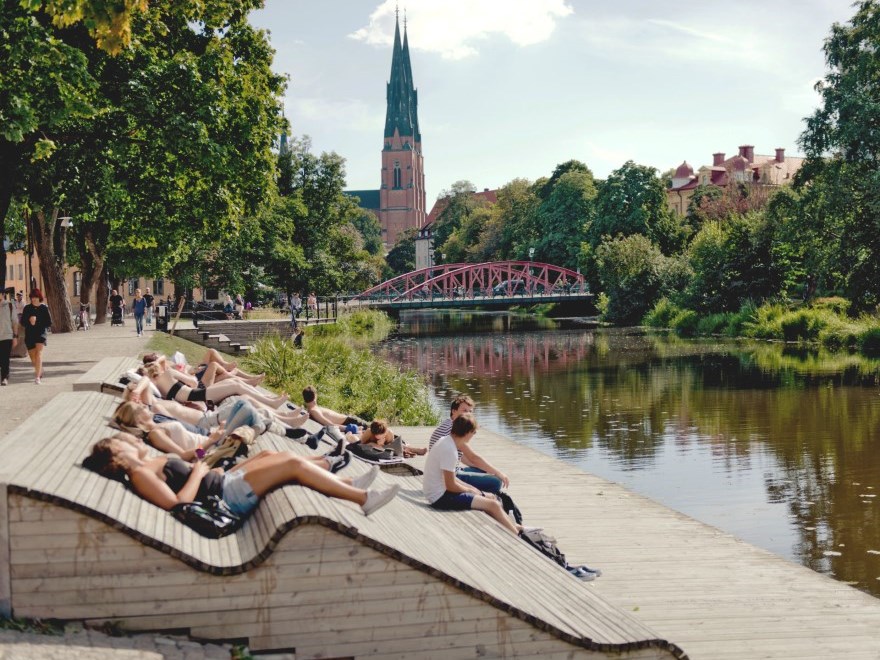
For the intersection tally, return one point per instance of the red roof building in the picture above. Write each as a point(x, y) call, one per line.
point(744, 167)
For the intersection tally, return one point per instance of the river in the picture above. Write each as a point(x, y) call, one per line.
point(777, 445)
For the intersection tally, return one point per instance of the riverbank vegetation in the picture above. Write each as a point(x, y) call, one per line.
point(824, 322)
point(337, 360)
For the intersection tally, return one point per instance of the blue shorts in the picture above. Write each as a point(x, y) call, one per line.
point(238, 494)
point(450, 501)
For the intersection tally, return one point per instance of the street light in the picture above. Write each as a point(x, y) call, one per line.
point(66, 221)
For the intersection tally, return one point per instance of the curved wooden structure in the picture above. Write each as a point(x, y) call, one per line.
point(305, 572)
point(448, 281)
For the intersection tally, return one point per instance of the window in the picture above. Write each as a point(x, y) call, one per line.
point(21, 271)
point(77, 283)
point(132, 285)
point(11, 272)
point(159, 287)
point(396, 174)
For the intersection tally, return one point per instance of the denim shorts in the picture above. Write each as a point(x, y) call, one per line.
point(450, 501)
point(238, 494)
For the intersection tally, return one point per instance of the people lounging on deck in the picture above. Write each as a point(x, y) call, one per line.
point(326, 416)
point(168, 480)
point(171, 386)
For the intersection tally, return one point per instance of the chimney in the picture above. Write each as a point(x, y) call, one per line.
point(747, 151)
point(485, 190)
point(780, 155)
point(717, 159)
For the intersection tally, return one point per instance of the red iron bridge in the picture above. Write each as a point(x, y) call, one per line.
point(490, 285)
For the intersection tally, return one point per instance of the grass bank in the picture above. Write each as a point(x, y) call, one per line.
point(336, 359)
point(162, 342)
point(823, 322)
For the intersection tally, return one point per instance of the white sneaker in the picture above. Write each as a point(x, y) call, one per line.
point(4, 382)
point(366, 478)
point(376, 499)
point(37, 380)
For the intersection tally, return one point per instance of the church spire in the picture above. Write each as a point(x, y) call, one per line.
point(401, 113)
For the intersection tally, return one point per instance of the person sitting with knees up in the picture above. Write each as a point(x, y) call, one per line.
point(478, 471)
point(446, 492)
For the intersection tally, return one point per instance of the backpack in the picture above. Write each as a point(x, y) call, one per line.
point(510, 507)
point(544, 544)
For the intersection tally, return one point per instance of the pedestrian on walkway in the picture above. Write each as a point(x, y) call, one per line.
point(8, 338)
point(149, 298)
point(139, 308)
point(36, 322)
point(295, 309)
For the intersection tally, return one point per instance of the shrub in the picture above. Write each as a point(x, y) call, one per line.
point(834, 304)
point(713, 324)
point(685, 322)
point(661, 315)
point(347, 375)
point(869, 340)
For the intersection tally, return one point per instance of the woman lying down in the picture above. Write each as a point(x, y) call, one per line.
point(169, 480)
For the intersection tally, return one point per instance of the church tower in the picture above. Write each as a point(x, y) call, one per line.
point(402, 189)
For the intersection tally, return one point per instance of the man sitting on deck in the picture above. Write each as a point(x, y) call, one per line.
point(441, 487)
point(479, 472)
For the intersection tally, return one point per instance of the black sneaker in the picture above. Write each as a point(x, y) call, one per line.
point(339, 450)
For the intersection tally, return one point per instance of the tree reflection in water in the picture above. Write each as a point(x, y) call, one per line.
point(779, 446)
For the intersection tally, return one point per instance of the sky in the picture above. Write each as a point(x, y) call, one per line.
point(512, 88)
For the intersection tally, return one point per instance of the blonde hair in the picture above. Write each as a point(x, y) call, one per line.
point(126, 416)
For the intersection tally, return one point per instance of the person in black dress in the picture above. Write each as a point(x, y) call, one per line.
point(36, 322)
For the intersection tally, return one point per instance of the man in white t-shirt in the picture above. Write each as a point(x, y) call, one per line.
point(446, 492)
point(478, 472)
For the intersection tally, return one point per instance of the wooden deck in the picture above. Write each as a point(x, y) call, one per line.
point(305, 572)
point(104, 376)
point(715, 596)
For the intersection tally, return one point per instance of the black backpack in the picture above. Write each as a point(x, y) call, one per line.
point(544, 544)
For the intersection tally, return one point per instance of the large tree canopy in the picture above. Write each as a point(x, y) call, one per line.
point(841, 178)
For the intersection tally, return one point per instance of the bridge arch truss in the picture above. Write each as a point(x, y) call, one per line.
point(470, 280)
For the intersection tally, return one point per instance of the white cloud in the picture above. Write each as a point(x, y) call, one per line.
point(453, 28)
point(664, 40)
point(352, 114)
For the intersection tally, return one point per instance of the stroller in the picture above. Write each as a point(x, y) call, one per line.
point(116, 316)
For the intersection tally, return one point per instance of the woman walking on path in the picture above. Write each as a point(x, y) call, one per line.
point(8, 338)
point(36, 322)
point(139, 307)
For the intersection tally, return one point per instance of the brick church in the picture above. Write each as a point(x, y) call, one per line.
point(399, 203)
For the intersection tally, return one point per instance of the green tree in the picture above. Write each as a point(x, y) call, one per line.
point(368, 225)
point(458, 203)
point(732, 262)
point(841, 176)
point(632, 200)
point(402, 257)
point(632, 271)
point(563, 217)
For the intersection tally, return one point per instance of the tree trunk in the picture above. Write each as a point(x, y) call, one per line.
point(92, 273)
point(50, 240)
point(102, 295)
point(8, 170)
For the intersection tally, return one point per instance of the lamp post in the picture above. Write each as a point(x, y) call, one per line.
point(531, 254)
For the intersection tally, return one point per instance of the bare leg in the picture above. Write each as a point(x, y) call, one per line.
point(36, 356)
point(285, 468)
point(211, 375)
point(213, 355)
point(493, 507)
point(219, 391)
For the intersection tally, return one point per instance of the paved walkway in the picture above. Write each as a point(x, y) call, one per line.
point(67, 357)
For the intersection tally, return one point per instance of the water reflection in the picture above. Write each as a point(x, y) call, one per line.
point(777, 446)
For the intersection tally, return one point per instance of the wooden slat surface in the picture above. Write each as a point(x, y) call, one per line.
point(106, 372)
point(714, 595)
point(468, 552)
